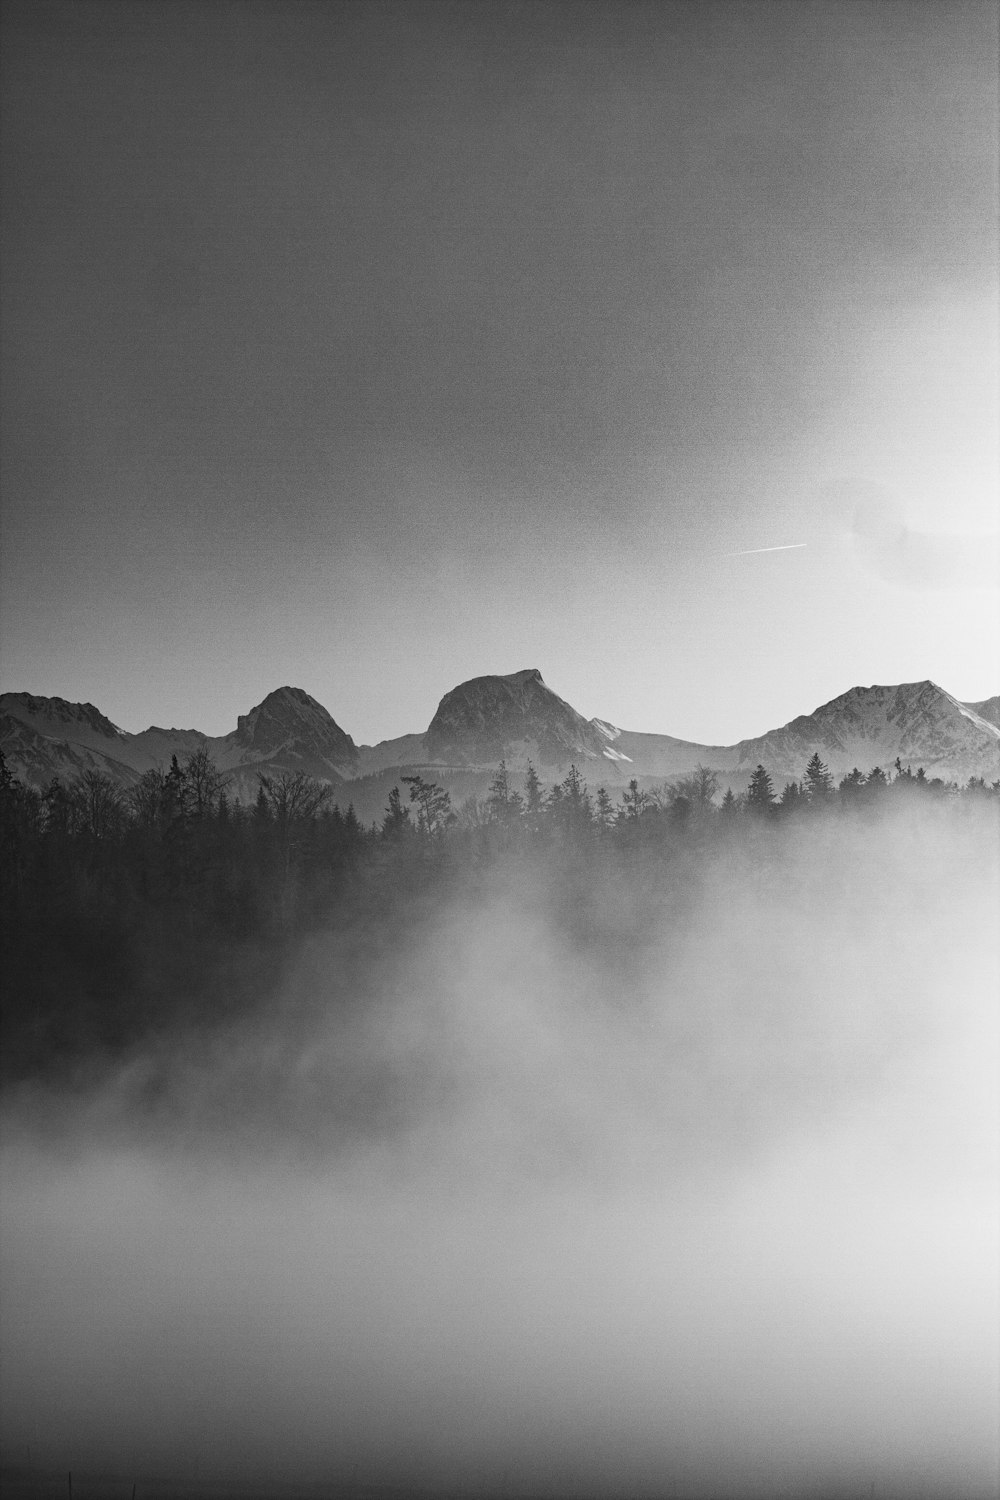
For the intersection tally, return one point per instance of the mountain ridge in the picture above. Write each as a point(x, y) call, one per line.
point(515, 717)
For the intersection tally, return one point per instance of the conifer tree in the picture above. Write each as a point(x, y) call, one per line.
point(434, 810)
point(575, 801)
point(852, 785)
point(876, 781)
point(634, 800)
point(396, 818)
point(760, 793)
point(791, 797)
point(605, 810)
point(534, 798)
point(503, 804)
point(819, 782)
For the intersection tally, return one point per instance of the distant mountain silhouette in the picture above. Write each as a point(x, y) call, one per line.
point(516, 718)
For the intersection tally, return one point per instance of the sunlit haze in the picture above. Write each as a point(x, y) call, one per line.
point(610, 1116)
point(370, 348)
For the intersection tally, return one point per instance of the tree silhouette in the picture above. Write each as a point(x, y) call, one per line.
point(818, 782)
point(396, 819)
point(760, 793)
point(534, 798)
point(434, 810)
point(503, 804)
point(634, 800)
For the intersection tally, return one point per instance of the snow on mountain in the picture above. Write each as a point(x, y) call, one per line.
point(517, 718)
point(989, 710)
point(44, 738)
point(916, 722)
point(662, 756)
point(55, 719)
point(37, 758)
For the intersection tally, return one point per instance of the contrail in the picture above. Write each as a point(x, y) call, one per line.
point(751, 551)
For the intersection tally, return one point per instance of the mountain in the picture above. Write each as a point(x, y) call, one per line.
point(518, 718)
point(989, 710)
point(916, 722)
point(291, 729)
point(44, 738)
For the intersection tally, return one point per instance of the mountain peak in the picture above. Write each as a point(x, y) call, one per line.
point(512, 717)
point(54, 715)
point(918, 722)
point(288, 719)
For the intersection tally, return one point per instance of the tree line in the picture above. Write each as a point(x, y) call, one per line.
point(124, 913)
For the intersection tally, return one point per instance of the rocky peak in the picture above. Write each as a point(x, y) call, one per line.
point(291, 721)
point(918, 722)
point(55, 716)
point(511, 717)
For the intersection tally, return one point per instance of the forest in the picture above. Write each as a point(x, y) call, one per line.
point(129, 917)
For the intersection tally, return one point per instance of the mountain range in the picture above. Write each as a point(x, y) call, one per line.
point(517, 718)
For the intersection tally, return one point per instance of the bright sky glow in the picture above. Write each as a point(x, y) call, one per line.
point(369, 349)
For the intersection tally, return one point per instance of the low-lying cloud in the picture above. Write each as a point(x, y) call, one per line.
point(667, 1179)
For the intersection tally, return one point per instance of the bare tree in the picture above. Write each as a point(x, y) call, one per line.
point(145, 799)
point(205, 782)
point(100, 804)
point(292, 796)
point(698, 789)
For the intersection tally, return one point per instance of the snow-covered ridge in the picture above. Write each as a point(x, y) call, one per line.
point(917, 723)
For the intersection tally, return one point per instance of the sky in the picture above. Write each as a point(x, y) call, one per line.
point(370, 347)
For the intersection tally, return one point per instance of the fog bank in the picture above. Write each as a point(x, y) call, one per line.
point(661, 1180)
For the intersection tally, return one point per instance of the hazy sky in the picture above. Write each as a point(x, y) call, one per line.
point(370, 347)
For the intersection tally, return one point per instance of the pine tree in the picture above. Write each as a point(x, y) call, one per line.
point(175, 793)
point(876, 781)
point(434, 810)
point(396, 819)
point(534, 798)
point(575, 804)
point(605, 810)
point(819, 782)
point(851, 786)
point(634, 801)
point(503, 804)
point(760, 793)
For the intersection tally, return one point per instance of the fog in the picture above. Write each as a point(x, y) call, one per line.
point(638, 1179)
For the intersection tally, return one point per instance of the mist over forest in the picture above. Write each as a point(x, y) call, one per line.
point(547, 1145)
